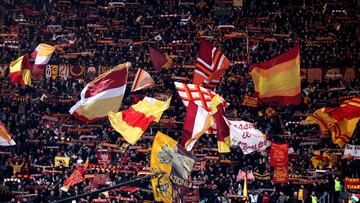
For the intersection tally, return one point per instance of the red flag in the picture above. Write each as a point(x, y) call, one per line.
point(279, 154)
point(210, 65)
point(281, 174)
point(160, 59)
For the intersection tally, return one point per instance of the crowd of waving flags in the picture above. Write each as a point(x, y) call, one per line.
point(276, 80)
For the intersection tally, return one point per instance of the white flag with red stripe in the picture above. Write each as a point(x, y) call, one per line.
point(102, 95)
point(197, 122)
point(198, 95)
point(210, 65)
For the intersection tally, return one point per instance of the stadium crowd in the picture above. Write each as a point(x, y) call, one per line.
point(105, 34)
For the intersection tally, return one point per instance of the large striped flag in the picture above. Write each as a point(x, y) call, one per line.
point(341, 121)
point(76, 177)
point(5, 138)
point(20, 70)
point(42, 55)
point(210, 65)
point(278, 79)
point(142, 80)
point(198, 95)
point(132, 123)
point(223, 132)
point(102, 95)
point(197, 122)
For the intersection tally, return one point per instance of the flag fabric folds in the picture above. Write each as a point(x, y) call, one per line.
point(244, 135)
point(76, 177)
point(223, 132)
point(210, 65)
point(159, 59)
point(5, 138)
point(348, 109)
point(102, 95)
point(42, 55)
point(198, 95)
point(20, 70)
point(142, 80)
point(173, 162)
point(278, 79)
point(197, 121)
point(340, 122)
point(133, 122)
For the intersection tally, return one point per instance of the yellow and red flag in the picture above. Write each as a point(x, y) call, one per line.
point(20, 71)
point(5, 138)
point(278, 79)
point(223, 132)
point(341, 121)
point(42, 55)
point(76, 177)
point(132, 123)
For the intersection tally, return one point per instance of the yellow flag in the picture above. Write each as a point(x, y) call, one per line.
point(132, 123)
point(62, 161)
point(160, 163)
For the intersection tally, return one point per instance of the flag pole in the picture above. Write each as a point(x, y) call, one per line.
point(107, 188)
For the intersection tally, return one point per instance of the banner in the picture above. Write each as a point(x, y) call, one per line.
point(62, 161)
point(262, 177)
point(281, 174)
point(244, 135)
point(250, 101)
point(279, 154)
point(352, 183)
point(104, 158)
point(351, 151)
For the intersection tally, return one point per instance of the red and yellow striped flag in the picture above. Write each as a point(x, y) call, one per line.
point(278, 79)
point(341, 122)
point(132, 123)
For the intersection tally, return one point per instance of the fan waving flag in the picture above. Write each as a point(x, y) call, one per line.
point(42, 55)
point(210, 65)
point(20, 71)
point(142, 80)
point(159, 59)
point(76, 177)
point(199, 95)
point(5, 138)
point(197, 121)
point(102, 95)
point(278, 79)
point(132, 123)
